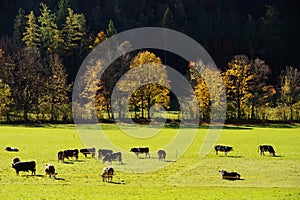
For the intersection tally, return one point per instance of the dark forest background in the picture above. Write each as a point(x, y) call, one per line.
point(224, 27)
point(264, 29)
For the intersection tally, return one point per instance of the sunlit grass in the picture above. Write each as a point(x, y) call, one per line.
point(190, 177)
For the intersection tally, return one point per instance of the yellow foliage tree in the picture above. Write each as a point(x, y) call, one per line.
point(150, 93)
point(238, 78)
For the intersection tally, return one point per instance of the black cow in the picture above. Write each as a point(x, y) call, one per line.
point(24, 166)
point(86, 151)
point(103, 152)
point(12, 149)
point(113, 156)
point(138, 151)
point(71, 153)
point(161, 155)
point(50, 170)
point(15, 160)
point(269, 148)
point(230, 175)
point(60, 156)
point(222, 148)
point(107, 174)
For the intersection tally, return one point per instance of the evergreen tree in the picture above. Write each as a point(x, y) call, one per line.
point(31, 35)
point(168, 19)
point(73, 30)
point(19, 25)
point(111, 30)
point(62, 12)
point(50, 35)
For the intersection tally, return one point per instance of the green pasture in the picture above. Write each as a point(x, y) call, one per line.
point(186, 177)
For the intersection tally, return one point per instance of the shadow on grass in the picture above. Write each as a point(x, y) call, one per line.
point(68, 162)
point(233, 156)
point(59, 179)
point(37, 175)
point(233, 179)
point(117, 183)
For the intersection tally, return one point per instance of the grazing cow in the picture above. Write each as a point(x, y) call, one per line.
point(12, 149)
point(71, 153)
point(103, 152)
point(50, 170)
point(161, 155)
point(269, 148)
point(24, 166)
point(138, 151)
point(107, 174)
point(224, 149)
point(113, 156)
point(15, 160)
point(88, 151)
point(230, 175)
point(60, 156)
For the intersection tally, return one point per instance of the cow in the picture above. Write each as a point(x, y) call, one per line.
point(15, 160)
point(161, 155)
point(24, 166)
point(138, 151)
point(269, 148)
point(60, 156)
point(103, 152)
point(12, 149)
point(88, 151)
point(50, 170)
point(113, 156)
point(71, 153)
point(222, 148)
point(107, 174)
point(230, 175)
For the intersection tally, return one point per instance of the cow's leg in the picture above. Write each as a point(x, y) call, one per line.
point(225, 152)
point(17, 172)
point(216, 152)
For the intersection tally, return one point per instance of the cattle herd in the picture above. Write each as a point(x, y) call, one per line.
point(226, 149)
point(107, 155)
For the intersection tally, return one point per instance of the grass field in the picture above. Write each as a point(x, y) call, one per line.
point(190, 177)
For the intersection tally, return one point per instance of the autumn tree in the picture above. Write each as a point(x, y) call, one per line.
point(5, 98)
point(55, 96)
point(29, 80)
point(261, 91)
point(290, 87)
point(31, 36)
point(208, 88)
point(238, 78)
point(150, 93)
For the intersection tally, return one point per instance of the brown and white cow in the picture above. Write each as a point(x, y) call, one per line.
point(50, 170)
point(107, 174)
